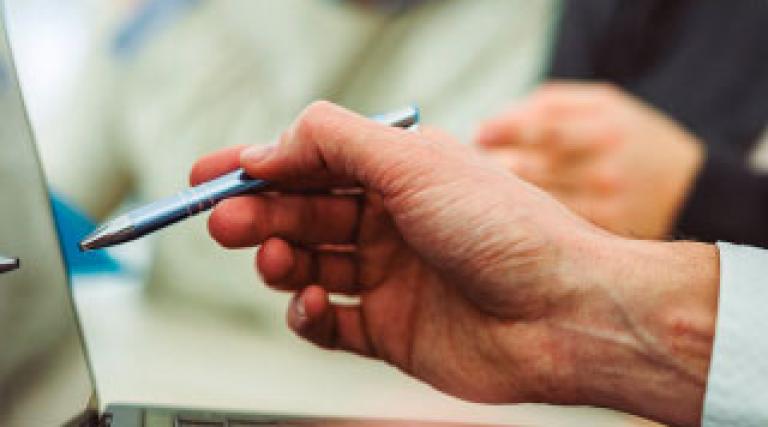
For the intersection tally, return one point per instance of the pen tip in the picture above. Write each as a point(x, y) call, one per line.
point(109, 234)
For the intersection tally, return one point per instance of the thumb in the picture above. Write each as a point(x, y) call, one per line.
point(329, 146)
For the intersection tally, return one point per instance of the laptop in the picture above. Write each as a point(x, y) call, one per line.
point(45, 377)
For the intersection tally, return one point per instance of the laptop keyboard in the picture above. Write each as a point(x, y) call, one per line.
point(126, 415)
point(168, 418)
point(186, 422)
point(242, 422)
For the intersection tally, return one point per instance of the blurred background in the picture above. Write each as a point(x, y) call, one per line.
point(184, 322)
point(124, 95)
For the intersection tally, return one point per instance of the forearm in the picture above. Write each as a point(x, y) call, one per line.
point(646, 341)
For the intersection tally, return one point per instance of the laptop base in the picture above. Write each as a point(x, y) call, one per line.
point(137, 416)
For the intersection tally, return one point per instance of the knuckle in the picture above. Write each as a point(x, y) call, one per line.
point(311, 120)
point(319, 108)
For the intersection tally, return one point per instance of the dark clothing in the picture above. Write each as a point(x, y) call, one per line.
point(703, 62)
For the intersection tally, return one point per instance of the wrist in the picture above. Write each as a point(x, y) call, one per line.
point(643, 334)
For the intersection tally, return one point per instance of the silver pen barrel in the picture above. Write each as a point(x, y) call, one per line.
point(164, 212)
point(192, 201)
point(167, 211)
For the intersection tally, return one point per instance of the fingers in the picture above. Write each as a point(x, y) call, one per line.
point(215, 164)
point(329, 143)
point(565, 117)
point(580, 136)
point(535, 166)
point(313, 317)
point(249, 220)
point(287, 267)
point(564, 95)
point(529, 165)
point(512, 127)
point(565, 135)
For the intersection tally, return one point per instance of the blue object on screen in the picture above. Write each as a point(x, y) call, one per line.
point(72, 225)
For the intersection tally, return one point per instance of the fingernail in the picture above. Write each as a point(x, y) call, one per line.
point(256, 153)
point(301, 312)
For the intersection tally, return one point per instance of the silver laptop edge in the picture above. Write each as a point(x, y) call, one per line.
point(46, 308)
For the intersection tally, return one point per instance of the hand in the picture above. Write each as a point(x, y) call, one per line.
point(467, 277)
point(606, 155)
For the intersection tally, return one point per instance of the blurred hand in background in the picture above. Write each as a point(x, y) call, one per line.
point(608, 156)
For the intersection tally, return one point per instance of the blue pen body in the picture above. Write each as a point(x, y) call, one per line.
point(192, 201)
point(200, 198)
point(162, 213)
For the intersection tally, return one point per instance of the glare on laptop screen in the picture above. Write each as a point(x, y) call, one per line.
point(44, 377)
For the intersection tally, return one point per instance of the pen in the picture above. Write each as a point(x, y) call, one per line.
point(8, 264)
point(162, 213)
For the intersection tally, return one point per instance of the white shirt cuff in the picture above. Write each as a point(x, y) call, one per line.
point(737, 388)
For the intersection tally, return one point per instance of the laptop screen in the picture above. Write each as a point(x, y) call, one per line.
point(44, 375)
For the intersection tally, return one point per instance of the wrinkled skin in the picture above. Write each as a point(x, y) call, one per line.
point(468, 278)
